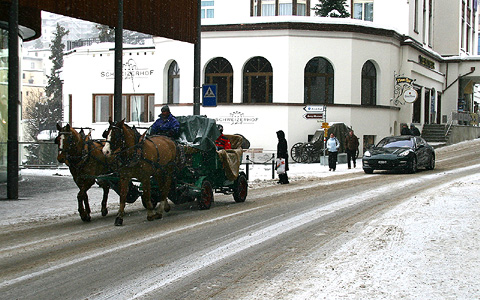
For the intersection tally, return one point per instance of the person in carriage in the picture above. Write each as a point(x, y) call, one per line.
point(166, 124)
point(222, 142)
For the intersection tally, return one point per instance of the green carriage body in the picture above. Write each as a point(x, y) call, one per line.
point(202, 172)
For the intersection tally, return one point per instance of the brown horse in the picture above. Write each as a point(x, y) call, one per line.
point(141, 157)
point(85, 160)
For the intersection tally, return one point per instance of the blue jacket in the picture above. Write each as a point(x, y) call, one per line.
point(168, 126)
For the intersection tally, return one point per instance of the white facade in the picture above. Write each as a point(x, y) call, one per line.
point(393, 43)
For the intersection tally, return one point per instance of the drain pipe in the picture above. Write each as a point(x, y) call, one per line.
point(472, 69)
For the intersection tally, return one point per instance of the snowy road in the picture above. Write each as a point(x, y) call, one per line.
point(346, 235)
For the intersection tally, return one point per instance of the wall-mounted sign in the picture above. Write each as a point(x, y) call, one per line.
point(410, 95)
point(237, 118)
point(209, 95)
point(130, 70)
point(426, 62)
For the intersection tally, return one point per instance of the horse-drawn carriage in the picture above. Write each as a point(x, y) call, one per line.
point(311, 151)
point(156, 167)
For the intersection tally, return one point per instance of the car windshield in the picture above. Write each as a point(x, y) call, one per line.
point(395, 143)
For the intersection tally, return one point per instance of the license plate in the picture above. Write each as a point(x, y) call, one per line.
point(382, 162)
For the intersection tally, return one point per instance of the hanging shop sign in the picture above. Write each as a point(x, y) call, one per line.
point(402, 85)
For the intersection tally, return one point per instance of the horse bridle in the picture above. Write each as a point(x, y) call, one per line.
point(122, 141)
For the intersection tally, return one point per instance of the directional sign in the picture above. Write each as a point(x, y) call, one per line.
point(209, 95)
point(315, 108)
point(314, 116)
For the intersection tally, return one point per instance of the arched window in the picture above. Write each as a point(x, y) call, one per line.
point(369, 84)
point(318, 81)
point(219, 71)
point(173, 83)
point(258, 81)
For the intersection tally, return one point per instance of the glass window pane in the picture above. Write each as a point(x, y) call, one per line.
point(151, 108)
point(285, 9)
point(301, 10)
point(102, 108)
point(210, 13)
point(137, 108)
point(124, 107)
point(268, 9)
point(368, 11)
point(357, 11)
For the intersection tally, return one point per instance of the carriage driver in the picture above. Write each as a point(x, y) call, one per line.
point(166, 124)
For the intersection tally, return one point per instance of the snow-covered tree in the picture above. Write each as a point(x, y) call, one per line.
point(331, 8)
point(54, 88)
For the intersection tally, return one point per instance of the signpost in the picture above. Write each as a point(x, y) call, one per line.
point(209, 95)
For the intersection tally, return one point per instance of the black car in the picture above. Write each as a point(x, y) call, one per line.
point(404, 152)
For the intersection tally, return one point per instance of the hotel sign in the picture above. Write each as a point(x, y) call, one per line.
point(130, 70)
point(426, 62)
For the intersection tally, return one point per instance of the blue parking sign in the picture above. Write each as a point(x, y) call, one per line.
point(209, 95)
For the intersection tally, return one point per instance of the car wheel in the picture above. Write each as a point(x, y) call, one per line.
point(431, 164)
point(413, 166)
point(368, 171)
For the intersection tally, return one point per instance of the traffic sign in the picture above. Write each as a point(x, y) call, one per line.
point(209, 95)
point(325, 125)
point(315, 108)
point(314, 116)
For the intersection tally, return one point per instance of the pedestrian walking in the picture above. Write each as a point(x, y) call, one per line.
point(351, 146)
point(332, 146)
point(282, 152)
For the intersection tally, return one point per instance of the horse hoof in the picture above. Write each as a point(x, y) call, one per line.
point(150, 218)
point(158, 216)
point(118, 221)
point(166, 208)
point(86, 218)
point(104, 212)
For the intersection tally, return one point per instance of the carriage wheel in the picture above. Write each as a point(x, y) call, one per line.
point(308, 153)
point(205, 199)
point(240, 188)
point(296, 152)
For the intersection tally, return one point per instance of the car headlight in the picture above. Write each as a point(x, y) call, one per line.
point(405, 153)
point(367, 154)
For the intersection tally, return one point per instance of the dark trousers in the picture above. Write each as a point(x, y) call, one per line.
point(351, 155)
point(283, 178)
point(332, 160)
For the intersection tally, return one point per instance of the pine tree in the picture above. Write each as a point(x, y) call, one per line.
point(331, 8)
point(54, 88)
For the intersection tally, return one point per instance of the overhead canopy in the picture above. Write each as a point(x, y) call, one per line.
point(174, 19)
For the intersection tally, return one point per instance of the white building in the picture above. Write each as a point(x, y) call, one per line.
point(269, 65)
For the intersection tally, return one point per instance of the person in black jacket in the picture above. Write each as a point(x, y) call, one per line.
point(282, 152)
point(414, 130)
point(405, 130)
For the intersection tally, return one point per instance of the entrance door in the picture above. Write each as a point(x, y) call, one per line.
point(417, 106)
point(439, 108)
point(426, 107)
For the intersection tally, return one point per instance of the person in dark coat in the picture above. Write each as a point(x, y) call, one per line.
point(405, 130)
point(166, 124)
point(351, 146)
point(414, 130)
point(282, 152)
